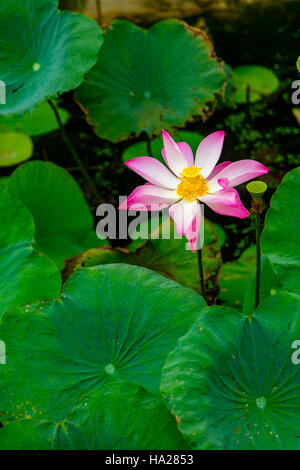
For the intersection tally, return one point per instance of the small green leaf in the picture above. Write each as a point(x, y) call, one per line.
point(14, 148)
point(142, 82)
point(259, 80)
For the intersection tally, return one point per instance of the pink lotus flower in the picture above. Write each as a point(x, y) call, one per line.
point(191, 182)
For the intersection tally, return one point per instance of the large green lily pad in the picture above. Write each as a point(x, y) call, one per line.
point(63, 222)
point(112, 323)
point(260, 81)
point(41, 121)
point(43, 52)
point(142, 83)
point(231, 382)
point(169, 257)
point(25, 274)
point(115, 416)
point(281, 237)
point(140, 149)
point(15, 148)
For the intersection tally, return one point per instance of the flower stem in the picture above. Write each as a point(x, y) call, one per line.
point(99, 12)
point(73, 152)
point(258, 257)
point(149, 146)
point(201, 275)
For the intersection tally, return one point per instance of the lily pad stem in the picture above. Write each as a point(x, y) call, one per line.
point(74, 153)
point(201, 274)
point(148, 139)
point(258, 257)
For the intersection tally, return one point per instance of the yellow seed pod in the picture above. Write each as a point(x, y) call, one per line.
point(257, 189)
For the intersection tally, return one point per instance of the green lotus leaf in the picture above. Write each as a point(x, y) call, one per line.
point(41, 121)
point(14, 148)
point(112, 323)
point(169, 257)
point(43, 52)
point(281, 237)
point(231, 382)
point(63, 222)
point(115, 416)
point(140, 149)
point(259, 80)
point(142, 83)
point(25, 275)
